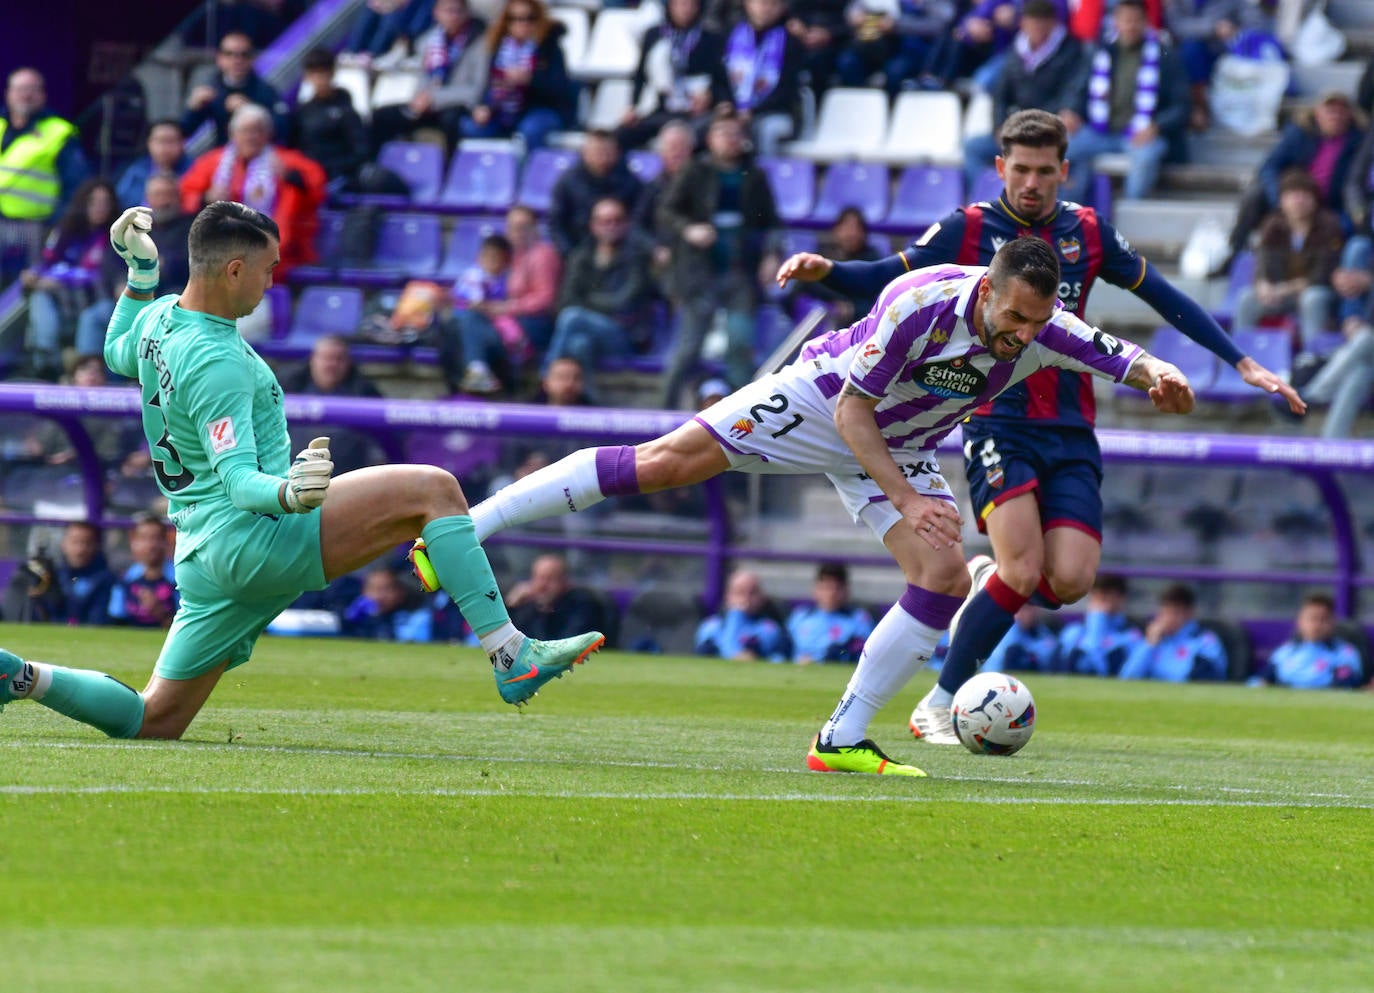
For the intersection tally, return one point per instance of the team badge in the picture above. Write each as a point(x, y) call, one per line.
point(742, 429)
point(996, 477)
point(1070, 249)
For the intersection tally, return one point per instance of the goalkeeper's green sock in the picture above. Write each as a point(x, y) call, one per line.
point(465, 574)
point(87, 696)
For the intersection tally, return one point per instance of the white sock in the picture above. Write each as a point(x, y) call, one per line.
point(31, 682)
point(940, 697)
point(894, 652)
point(567, 486)
point(493, 641)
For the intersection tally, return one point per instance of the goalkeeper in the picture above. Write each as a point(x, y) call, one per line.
point(255, 528)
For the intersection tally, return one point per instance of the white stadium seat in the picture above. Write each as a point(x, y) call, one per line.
point(613, 47)
point(354, 81)
point(576, 27)
point(850, 121)
point(978, 115)
point(394, 87)
point(926, 127)
point(609, 104)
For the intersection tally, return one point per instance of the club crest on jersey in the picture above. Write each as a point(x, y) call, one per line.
point(953, 380)
point(742, 429)
point(939, 336)
point(996, 477)
point(1070, 249)
point(221, 435)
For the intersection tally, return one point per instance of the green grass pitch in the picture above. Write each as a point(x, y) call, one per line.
point(357, 816)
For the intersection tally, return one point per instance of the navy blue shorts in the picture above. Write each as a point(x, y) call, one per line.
point(1063, 466)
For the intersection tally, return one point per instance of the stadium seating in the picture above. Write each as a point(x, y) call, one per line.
point(1242, 274)
point(408, 247)
point(1271, 349)
point(925, 127)
point(420, 164)
point(853, 184)
point(988, 187)
point(924, 195)
point(460, 252)
point(978, 115)
point(793, 240)
point(541, 171)
point(322, 310)
point(576, 27)
point(353, 80)
point(1192, 359)
point(612, 50)
point(793, 182)
point(328, 248)
point(394, 87)
point(644, 164)
point(609, 104)
point(850, 119)
point(480, 180)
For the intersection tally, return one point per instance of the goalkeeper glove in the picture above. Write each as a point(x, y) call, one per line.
point(132, 243)
point(307, 482)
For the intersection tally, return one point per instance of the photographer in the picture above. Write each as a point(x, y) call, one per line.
point(73, 589)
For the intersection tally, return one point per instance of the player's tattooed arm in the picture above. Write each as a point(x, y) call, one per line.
point(1168, 388)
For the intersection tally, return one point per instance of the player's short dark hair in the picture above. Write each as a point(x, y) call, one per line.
point(1043, 9)
point(1030, 260)
point(837, 571)
point(499, 242)
point(1109, 582)
point(1178, 595)
point(318, 60)
point(1320, 600)
point(1035, 129)
point(226, 230)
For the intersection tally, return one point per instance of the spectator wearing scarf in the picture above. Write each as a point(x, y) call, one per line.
point(758, 78)
point(673, 78)
point(278, 181)
point(1047, 70)
point(528, 90)
point(1137, 102)
point(450, 79)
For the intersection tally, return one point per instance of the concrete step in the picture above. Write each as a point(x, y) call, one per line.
point(1312, 81)
point(1161, 227)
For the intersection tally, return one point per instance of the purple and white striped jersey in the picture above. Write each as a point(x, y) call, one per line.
point(917, 352)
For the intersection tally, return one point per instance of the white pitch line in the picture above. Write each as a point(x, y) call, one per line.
point(1281, 797)
point(645, 795)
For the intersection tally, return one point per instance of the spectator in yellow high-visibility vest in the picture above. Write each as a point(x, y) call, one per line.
point(41, 161)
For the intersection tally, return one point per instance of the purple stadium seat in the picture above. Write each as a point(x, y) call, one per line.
point(280, 298)
point(463, 241)
point(1192, 359)
point(542, 169)
point(853, 184)
point(324, 310)
point(794, 240)
point(480, 181)
point(1271, 349)
point(644, 164)
point(408, 247)
point(793, 182)
point(924, 195)
point(987, 187)
point(328, 245)
point(1101, 195)
point(1242, 274)
point(421, 165)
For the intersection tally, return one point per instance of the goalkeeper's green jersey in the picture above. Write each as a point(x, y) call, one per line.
point(212, 414)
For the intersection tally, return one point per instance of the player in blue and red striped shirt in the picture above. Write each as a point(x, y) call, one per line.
point(1033, 463)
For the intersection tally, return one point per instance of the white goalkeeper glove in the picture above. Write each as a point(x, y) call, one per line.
point(307, 482)
point(132, 242)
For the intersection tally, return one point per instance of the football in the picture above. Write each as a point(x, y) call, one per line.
point(993, 714)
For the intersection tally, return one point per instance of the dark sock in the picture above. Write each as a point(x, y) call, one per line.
point(988, 616)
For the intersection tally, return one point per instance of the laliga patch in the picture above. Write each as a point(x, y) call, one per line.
point(869, 356)
point(1070, 249)
point(222, 436)
point(953, 380)
point(1106, 344)
point(1123, 244)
